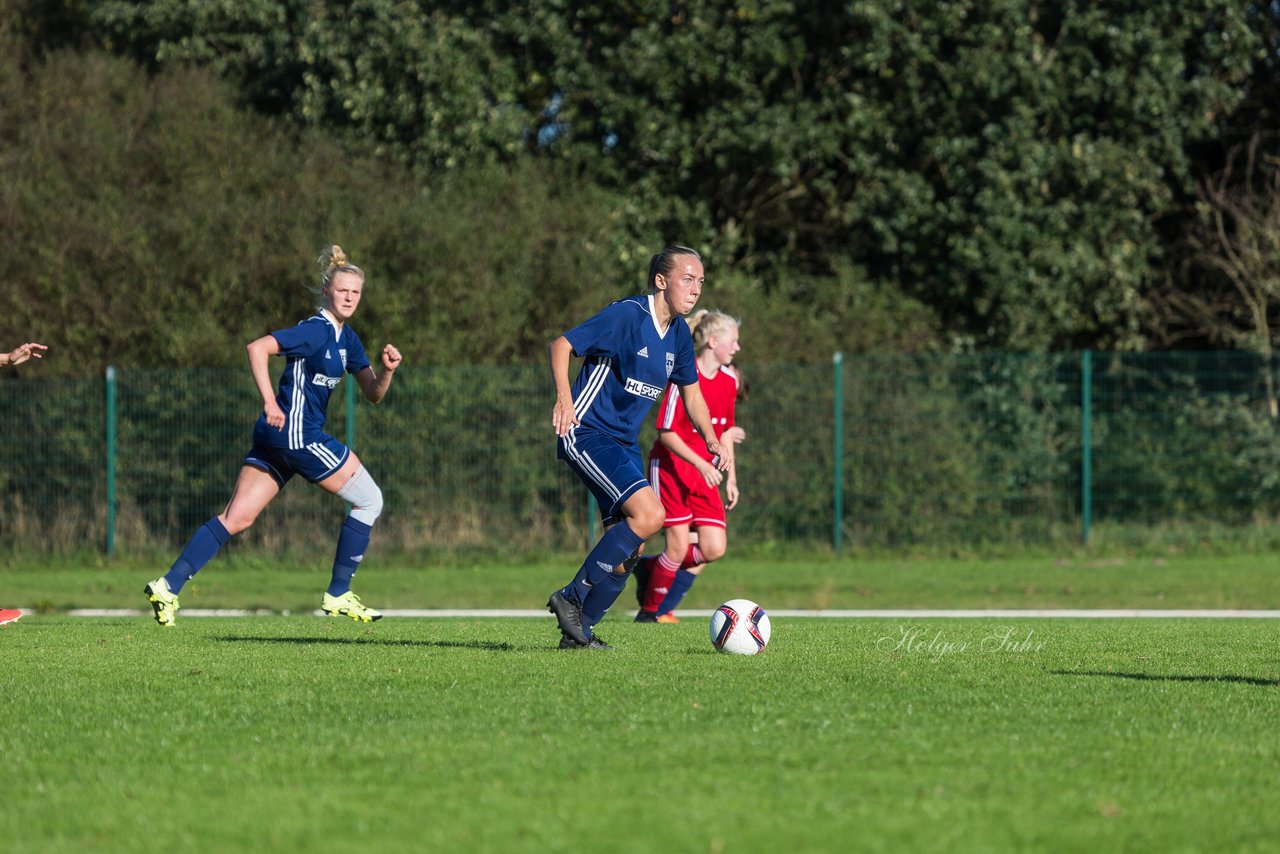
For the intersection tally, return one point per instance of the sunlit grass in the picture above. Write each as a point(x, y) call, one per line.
point(302, 733)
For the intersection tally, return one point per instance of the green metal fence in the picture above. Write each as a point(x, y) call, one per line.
point(871, 451)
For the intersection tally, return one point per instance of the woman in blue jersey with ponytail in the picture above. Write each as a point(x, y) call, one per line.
point(289, 439)
point(631, 350)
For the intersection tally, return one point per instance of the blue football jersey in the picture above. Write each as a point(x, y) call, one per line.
point(628, 361)
point(318, 355)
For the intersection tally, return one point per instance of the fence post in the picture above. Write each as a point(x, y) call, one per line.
point(111, 461)
point(350, 396)
point(592, 520)
point(837, 453)
point(351, 414)
point(1086, 444)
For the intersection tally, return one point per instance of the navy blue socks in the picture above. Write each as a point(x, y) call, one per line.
point(204, 544)
point(596, 586)
point(212, 536)
point(683, 581)
point(352, 544)
point(602, 595)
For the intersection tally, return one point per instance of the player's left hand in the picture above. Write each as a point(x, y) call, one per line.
point(390, 358)
point(731, 494)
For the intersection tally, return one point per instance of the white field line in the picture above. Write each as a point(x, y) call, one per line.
point(903, 614)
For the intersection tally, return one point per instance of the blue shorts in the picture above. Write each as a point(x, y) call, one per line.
point(320, 457)
point(612, 470)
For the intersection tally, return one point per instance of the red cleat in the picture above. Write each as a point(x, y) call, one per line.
point(8, 615)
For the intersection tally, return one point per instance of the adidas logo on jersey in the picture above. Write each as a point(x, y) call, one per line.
point(643, 351)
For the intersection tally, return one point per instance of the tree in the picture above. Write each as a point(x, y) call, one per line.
point(1229, 291)
point(423, 87)
point(157, 223)
point(1002, 162)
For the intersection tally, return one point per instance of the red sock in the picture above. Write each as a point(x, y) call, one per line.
point(661, 574)
point(693, 557)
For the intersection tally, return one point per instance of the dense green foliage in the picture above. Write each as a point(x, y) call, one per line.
point(869, 176)
point(161, 225)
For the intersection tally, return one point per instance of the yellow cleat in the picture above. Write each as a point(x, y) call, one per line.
point(349, 605)
point(163, 601)
point(670, 619)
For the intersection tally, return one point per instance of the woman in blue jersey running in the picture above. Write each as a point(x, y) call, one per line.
point(631, 350)
point(289, 439)
point(20, 354)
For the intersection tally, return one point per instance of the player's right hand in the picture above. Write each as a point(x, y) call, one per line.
point(29, 350)
point(275, 415)
point(563, 418)
point(710, 474)
point(722, 454)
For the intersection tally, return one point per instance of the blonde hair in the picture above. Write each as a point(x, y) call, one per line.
point(704, 323)
point(333, 261)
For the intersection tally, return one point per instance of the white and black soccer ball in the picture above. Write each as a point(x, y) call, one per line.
point(740, 626)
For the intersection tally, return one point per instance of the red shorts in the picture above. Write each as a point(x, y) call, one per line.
point(685, 495)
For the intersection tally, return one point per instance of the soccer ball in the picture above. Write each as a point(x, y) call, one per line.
point(740, 626)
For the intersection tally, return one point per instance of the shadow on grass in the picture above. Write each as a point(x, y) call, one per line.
point(372, 641)
point(1159, 677)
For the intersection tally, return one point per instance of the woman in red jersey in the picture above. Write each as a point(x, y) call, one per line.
point(685, 476)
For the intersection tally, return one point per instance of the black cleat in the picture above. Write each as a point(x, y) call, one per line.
point(641, 572)
point(567, 642)
point(643, 616)
point(569, 616)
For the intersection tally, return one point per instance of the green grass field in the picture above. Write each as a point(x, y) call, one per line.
point(1072, 581)
point(307, 734)
point(301, 733)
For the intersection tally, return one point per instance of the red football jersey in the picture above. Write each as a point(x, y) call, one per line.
point(721, 395)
